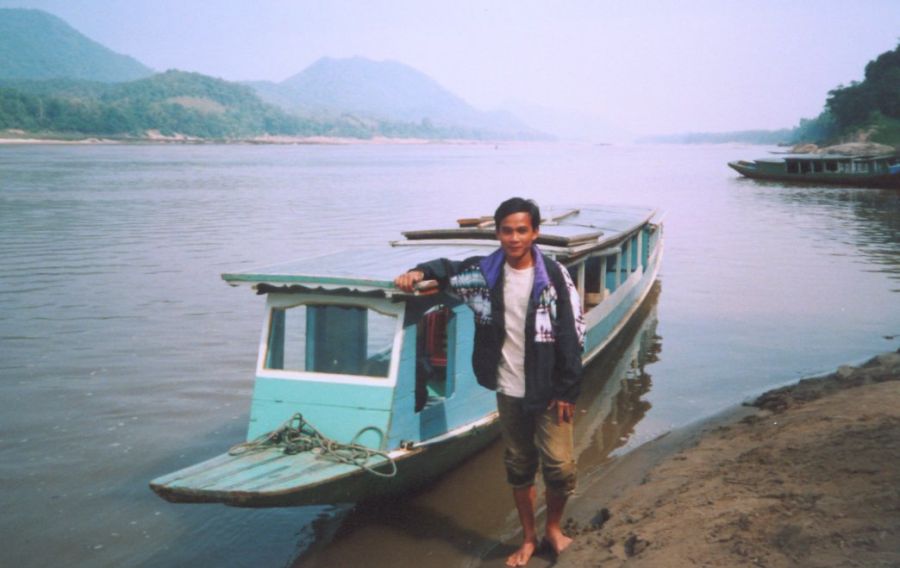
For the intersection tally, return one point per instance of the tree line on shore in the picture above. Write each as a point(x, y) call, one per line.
point(182, 103)
point(870, 106)
point(867, 109)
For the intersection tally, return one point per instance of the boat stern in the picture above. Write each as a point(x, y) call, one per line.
point(269, 477)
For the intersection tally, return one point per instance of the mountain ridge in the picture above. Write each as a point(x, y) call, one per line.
point(55, 79)
point(37, 45)
point(383, 90)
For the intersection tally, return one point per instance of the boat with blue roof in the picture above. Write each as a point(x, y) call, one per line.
point(363, 390)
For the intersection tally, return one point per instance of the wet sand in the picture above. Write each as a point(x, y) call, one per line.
point(809, 475)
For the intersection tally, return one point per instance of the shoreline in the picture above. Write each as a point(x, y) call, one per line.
point(23, 138)
point(807, 474)
point(804, 475)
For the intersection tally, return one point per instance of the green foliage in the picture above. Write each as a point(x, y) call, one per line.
point(871, 106)
point(819, 129)
point(38, 45)
point(191, 104)
point(857, 106)
point(886, 130)
point(173, 103)
point(59, 82)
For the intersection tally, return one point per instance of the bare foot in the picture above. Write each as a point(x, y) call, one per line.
point(558, 541)
point(523, 555)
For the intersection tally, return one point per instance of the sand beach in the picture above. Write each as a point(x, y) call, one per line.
point(808, 475)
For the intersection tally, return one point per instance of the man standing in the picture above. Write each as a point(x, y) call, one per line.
point(528, 341)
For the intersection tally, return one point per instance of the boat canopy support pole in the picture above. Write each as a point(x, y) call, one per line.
point(629, 251)
point(603, 279)
point(618, 268)
point(582, 266)
point(640, 249)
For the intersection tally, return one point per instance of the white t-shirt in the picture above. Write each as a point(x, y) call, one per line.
point(517, 286)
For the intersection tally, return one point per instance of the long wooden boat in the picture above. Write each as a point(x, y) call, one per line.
point(864, 171)
point(363, 390)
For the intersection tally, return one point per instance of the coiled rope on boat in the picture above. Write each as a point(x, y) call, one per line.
point(297, 435)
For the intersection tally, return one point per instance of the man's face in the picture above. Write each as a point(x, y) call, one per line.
point(516, 236)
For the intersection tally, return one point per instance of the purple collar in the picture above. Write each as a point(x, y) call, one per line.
point(492, 266)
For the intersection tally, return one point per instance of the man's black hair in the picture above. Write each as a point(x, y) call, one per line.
point(518, 205)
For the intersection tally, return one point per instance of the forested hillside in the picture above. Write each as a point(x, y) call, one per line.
point(174, 102)
point(38, 45)
point(871, 106)
point(863, 110)
point(185, 104)
point(56, 82)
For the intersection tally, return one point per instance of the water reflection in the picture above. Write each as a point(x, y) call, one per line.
point(868, 219)
point(468, 514)
point(611, 404)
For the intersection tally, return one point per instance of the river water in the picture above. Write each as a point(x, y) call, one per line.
point(123, 356)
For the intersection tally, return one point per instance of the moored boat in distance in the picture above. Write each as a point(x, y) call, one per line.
point(363, 390)
point(881, 170)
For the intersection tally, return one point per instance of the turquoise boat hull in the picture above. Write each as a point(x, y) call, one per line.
point(378, 398)
point(271, 478)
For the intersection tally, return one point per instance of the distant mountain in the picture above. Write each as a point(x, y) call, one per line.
point(386, 91)
point(55, 81)
point(568, 125)
point(38, 45)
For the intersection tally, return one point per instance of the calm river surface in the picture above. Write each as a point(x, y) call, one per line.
point(123, 355)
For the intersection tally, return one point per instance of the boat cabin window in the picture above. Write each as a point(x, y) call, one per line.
point(792, 167)
point(346, 340)
point(594, 292)
point(831, 166)
point(432, 345)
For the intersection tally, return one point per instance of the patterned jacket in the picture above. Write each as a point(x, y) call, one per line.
point(554, 326)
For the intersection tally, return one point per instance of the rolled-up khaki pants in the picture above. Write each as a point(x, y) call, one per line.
point(535, 436)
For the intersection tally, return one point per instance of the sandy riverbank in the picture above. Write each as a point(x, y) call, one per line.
point(809, 477)
point(155, 137)
point(35, 141)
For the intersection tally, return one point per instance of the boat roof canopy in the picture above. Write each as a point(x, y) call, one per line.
point(566, 232)
point(824, 157)
point(358, 269)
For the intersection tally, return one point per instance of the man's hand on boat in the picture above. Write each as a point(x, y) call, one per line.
point(408, 280)
point(565, 411)
point(413, 281)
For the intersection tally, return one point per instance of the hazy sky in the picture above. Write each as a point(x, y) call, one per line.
point(646, 66)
